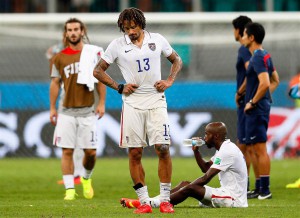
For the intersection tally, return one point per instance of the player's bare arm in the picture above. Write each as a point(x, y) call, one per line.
point(100, 109)
point(204, 165)
point(100, 74)
point(103, 77)
point(206, 177)
point(54, 92)
point(176, 61)
point(263, 87)
point(274, 81)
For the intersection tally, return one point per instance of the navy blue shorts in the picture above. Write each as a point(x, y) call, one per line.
point(256, 128)
point(241, 125)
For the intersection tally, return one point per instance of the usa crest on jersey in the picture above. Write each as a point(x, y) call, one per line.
point(152, 46)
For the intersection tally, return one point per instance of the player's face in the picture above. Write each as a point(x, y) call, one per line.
point(236, 34)
point(132, 30)
point(246, 39)
point(208, 138)
point(74, 33)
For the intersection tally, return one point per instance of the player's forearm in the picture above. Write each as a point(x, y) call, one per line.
point(100, 74)
point(204, 166)
point(54, 91)
point(175, 68)
point(274, 82)
point(101, 88)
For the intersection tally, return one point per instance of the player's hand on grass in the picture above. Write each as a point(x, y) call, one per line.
point(129, 88)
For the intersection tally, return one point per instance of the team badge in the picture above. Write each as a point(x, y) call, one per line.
point(217, 161)
point(152, 46)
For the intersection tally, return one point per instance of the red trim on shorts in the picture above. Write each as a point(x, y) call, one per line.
point(122, 113)
point(70, 51)
point(215, 196)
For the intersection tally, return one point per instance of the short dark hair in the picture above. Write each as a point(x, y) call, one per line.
point(240, 23)
point(257, 30)
point(132, 14)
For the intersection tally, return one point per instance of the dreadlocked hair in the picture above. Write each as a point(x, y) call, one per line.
point(82, 27)
point(132, 14)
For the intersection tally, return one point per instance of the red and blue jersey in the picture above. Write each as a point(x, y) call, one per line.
point(260, 62)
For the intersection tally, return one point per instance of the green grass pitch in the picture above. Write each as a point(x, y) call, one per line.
point(29, 189)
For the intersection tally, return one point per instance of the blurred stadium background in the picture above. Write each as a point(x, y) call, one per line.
point(201, 32)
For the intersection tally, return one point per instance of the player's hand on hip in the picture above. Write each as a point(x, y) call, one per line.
point(129, 88)
point(162, 85)
point(53, 117)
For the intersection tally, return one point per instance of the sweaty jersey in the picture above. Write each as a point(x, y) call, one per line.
point(260, 62)
point(233, 175)
point(75, 98)
point(141, 66)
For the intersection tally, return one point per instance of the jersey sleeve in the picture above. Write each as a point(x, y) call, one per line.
point(166, 47)
point(259, 64)
point(222, 161)
point(111, 53)
point(54, 72)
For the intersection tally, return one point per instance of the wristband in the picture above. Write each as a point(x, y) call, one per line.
point(252, 103)
point(120, 88)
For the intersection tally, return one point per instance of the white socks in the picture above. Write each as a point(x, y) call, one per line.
point(68, 181)
point(86, 173)
point(143, 195)
point(165, 189)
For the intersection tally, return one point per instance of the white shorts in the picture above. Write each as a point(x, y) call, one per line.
point(136, 124)
point(219, 197)
point(71, 132)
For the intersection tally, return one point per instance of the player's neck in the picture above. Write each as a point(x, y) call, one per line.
point(76, 47)
point(139, 41)
point(254, 47)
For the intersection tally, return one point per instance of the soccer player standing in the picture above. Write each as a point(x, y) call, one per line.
point(262, 80)
point(243, 58)
point(144, 112)
point(75, 120)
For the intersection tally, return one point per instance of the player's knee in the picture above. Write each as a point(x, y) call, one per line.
point(135, 153)
point(162, 150)
point(90, 153)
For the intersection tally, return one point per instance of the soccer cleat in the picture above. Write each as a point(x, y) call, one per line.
point(252, 194)
point(130, 203)
point(166, 207)
point(144, 208)
point(70, 194)
point(294, 185)
point(76, 181)
point(265, 196)
point(88, 191)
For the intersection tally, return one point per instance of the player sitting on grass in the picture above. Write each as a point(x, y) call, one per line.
point(228, 162)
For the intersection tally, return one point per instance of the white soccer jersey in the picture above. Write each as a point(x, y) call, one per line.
point(141, 66)
point(233, 176)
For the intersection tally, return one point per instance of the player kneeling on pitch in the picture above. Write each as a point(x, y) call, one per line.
point(228, 163)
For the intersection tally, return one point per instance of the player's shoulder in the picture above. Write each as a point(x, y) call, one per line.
point(155, 35)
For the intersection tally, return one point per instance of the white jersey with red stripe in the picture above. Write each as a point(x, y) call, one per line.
point(141, 66)
point(233, 176)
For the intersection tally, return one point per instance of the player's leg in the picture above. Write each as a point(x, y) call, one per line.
point(87, 140)
point(254, 193)
point(191, 190)
point(159, 135)
point(64, 137)
point(78, 166)
point(133, 137)
point(258, 137)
